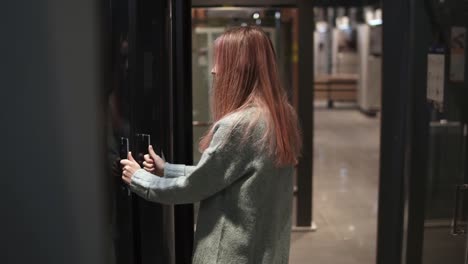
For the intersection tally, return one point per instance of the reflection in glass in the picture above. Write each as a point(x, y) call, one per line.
point(446, 158)
point(118, 133)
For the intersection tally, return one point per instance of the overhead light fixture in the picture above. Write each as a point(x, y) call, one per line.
point(374, 22)
point(342, 23)
point(321, 26)
point(378, 13)
point(277, 15)
point(374, 17)
point(369, 14)
point(256, 15)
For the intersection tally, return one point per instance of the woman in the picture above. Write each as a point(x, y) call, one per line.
point(244, 177)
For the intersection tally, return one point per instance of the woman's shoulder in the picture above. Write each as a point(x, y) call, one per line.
point(246, 126)
point(250, 117)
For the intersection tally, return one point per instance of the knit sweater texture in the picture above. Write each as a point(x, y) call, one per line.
point(245, 199)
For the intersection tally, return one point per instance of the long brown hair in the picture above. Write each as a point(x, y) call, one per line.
point(247, 75)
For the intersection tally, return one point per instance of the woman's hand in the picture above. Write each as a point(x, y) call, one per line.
point(130, 166)
point(153, 163)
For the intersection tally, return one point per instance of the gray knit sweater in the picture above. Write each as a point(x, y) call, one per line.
point(245, 209)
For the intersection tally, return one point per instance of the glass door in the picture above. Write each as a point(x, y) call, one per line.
point(423, 206)
point(446, 186)
point(139, 104)
point(202, 62)
point(118, 97)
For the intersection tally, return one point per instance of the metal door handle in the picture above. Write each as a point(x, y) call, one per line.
point(123, 152)
point(142, 143)
point(457, 228)
point(124, 147)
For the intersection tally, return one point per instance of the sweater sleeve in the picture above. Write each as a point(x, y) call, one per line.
point(227, 159)
point(177, 170)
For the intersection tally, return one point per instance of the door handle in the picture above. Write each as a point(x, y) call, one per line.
point(459, 228)
point(124, 147)
point(142, 143)
point(123, 152)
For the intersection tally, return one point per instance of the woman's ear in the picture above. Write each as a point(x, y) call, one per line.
point(214, 70)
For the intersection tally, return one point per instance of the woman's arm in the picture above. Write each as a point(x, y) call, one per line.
point(224, 161)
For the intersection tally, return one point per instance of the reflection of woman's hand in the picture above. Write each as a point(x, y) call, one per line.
point(153, 163)
point(130, 166)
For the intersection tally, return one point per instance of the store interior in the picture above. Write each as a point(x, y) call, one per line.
point(347, 48)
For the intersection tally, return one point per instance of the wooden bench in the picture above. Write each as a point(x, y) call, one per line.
point(336, 87)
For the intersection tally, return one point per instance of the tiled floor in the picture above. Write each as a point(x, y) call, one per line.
point(345, 191)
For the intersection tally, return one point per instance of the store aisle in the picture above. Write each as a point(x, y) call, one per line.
point(346, 162)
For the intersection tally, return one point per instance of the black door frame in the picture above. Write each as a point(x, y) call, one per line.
point(404, 132)
point(162, 232)
point(305, 92)
point(181, 127)
point(150, 32)
point(281, 3)
point(306, 95)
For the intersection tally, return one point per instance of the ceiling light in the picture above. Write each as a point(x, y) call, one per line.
point(277, 15)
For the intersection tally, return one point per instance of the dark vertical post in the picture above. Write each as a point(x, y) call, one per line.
point(305, 112)
point(394, 108)
point(182, 122)
point(404, 132)
point(418, 133)
point(134, 76)
point(154, 231)
point(51, 109)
